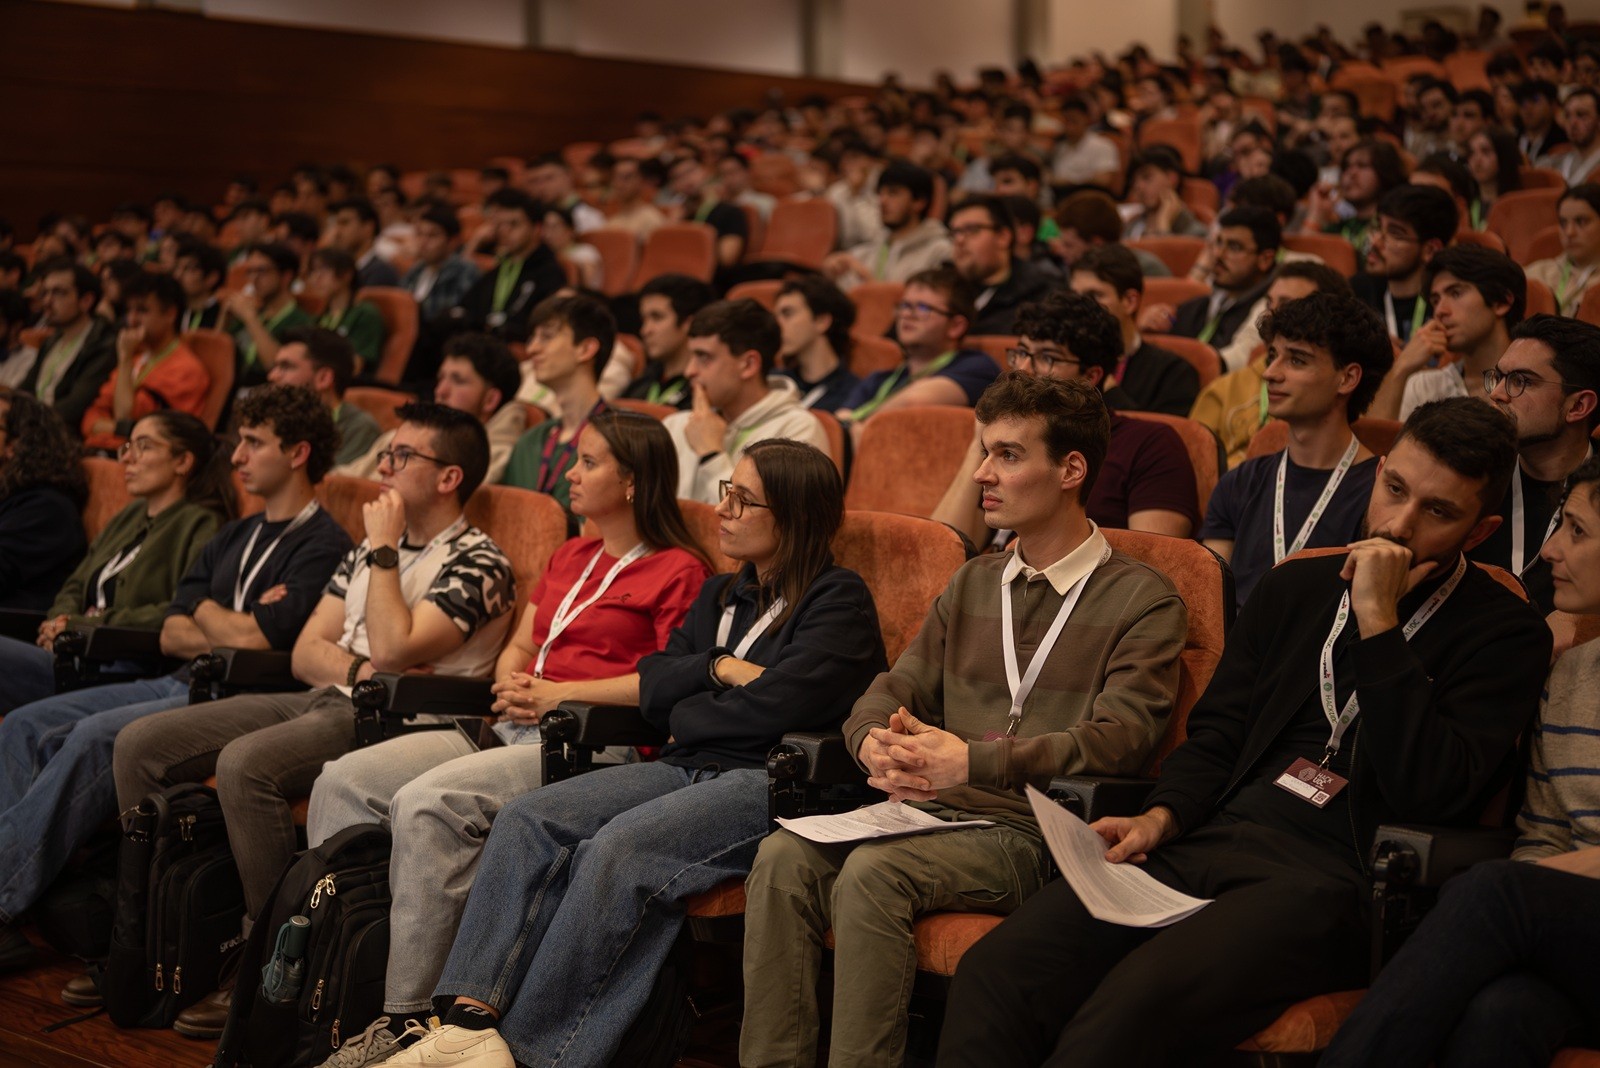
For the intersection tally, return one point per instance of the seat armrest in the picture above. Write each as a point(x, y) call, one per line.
point(596, 726)
point(225, 670)
point(1424, 856)
point(1093, 797)
point(820, 757)
point(124, 643)
point(407, 696)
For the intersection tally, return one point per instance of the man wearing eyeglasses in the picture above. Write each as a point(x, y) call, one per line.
point(1145, 377)
point(1548, 382)
point(1415, 222)
point(984, 236)
point(81, 351)
point(1244, 253)
point(264, 310)
point(424, 591)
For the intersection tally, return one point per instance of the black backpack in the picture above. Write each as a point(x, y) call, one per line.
point(340, 892)
point(178, 910)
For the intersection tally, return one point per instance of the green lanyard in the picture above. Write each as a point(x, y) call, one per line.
point(1261, 421)
point(864, 411)
point(250, 355)
point(881, 268)
point(60, 356)
point(1565, 280)
point(704, 209)
point(330, 321)
point(1475, 214)
point(505, 282)
point(1208, 331)
point(150, 364)
point(659, 392)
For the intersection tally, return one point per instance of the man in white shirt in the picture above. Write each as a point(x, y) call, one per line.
point(909, 241)
point(1083, 157)
point(550, 182)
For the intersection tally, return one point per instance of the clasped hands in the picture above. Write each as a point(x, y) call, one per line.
point(524, 698)
point(912, 761)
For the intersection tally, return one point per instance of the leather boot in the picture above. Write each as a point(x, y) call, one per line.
point(205, 1019)
point(83, 992)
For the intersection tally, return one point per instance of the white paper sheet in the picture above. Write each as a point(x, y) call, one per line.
point(1115, 893)
point(886, 819)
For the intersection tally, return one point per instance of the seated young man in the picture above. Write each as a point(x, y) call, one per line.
point(501, 300)
point(200, 269)
point(1146, 481)
point(1501, 971)
point(738, 398)
point(951, 728)
point(1415, 223)
point(570, 346)
point(1147, 378)
point(666, 305)
point(1244, 254)
point(155, 369)
point(265, 311)
point(1326, 355)
point(1420, 724)
point(323, 362)
point(815, 319)
point(1478, 297)
point(423, 590)
point(81, 349)
point(252, 587)
point(932, 319)
point(331, 275)
point(478, 376)
point(986, 253)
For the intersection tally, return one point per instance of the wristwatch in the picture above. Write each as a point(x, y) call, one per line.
point(384, 556)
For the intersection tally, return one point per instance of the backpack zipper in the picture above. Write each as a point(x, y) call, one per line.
point(177, 979)
point(325, 885)
point(333, 1036)
point(316, 998)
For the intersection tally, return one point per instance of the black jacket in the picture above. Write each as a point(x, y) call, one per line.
point(81, 381)
point(817, 663)
point(542, 274)
point(1026, 284)
point(1156, 380)
point(1193, 314)
point(1440, 715)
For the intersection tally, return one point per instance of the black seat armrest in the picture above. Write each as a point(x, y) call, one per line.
point(84, 656)
point(408, 696)
point(225, 671)
point(820, 757)
point(596, 726)
point(1093, 797)
point(124, 643)
point(1424, 856)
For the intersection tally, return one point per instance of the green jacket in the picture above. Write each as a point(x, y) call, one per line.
point(146, 586)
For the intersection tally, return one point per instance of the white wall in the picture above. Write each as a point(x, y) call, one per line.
point(1110, 26)
point(915, 38)
point(489, 22)
point(757, 35)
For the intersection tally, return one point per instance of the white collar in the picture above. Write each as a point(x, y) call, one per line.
point(1065, 571)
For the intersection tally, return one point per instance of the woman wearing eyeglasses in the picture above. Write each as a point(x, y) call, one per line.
point(579, 895)
point(180, 480)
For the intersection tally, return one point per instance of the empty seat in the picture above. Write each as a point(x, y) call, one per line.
point(875, 306)
point(1178, 253)
point(619, 255)
point(1516, 217)
point(379, 403)
point(677, 248)
point(801, 232)
point(1332, 249)
point(399, 311)
point(908, 457)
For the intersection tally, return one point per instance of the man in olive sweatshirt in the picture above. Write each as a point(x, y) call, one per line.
point(957, 730)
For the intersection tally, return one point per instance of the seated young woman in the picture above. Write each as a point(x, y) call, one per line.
point(605, 600)
point(1502, 971)
point(42, 494)
point(183, 492)
point(580, 892)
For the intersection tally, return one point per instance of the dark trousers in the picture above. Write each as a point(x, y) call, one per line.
point(1052, 985)
point(1500, 973)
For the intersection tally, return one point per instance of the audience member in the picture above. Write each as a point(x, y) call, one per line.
point(1089, 218)
point(80, 352)
point(42, 494)
point(1154, 179)
point(1082, 156)
point(353, 227)
point(1414, 222)
point(265, 309)
point(200, 269)
point(501, 301)
point(1581, 113)
point(984, 251)
point(323, 362)
point(1495, 161)
point(857, 198)
point(909, 242)
point(1569, 274)
point(1244, 252)
point(1541, 137)
point(1147, 378)
point(548, 180)
point(331, 277)
point(667, 304)
point(634, 186)
point(441, 277)
point(815, 318)
point(733, 178)
point(1370, 169)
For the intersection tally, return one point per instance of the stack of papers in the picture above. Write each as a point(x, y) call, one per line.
point(887, 819)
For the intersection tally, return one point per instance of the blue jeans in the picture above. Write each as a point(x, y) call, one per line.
point(29, 673)
point(579, 897)
point(1498, 974)
point(56, 786)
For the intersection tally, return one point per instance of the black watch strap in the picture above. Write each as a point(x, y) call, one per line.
point(384, 556)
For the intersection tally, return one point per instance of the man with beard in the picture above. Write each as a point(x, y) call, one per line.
point(910, 242)
point(1548, 382)
point(1397, 674)
point(1414, 223)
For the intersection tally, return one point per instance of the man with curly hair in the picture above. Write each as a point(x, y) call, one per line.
point(253, 587)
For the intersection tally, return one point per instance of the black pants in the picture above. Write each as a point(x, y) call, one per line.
point(1052, 985)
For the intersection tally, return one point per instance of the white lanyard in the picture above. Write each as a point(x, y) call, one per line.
point(243, 582)
point(757, 629)
point(1518, 533)
point(114, 567)
point(1279, 550)
point(1022, 686)
point(566, 613)
point(1338, 720)
point(813, 395)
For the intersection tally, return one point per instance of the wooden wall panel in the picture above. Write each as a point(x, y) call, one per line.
point(103, 105)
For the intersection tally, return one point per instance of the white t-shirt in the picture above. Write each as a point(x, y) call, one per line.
point(1437, 384)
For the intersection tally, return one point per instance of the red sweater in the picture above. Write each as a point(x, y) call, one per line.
point(178, 381)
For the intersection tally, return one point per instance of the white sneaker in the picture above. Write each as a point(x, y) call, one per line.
point(457, 1047)
point(372, 1046)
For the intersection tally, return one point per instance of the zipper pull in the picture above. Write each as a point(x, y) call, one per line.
point(333, 1036)
point(324, 886)
point(186, 828)
point(160, 984)
point(316, 996)
point(177, 979)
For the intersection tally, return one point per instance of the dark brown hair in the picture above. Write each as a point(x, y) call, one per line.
point(1074, 415)
point(644, 449)
point(43, 450)
point(806, 496)
point(210, 483)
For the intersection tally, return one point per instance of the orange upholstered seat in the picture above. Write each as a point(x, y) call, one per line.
point(1178, 253)
point(875, 303)
point(379, 403)
point(398, 308)
point(215, 350)
point(907, 458)
point(678, 248)
point(1305, 1026)
point(108, 494)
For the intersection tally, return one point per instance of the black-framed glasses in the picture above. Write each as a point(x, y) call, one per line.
point(1516, 382)
point(737, 502)
point(1042, 362)
point(971, 230)
point(919, 308)
point(397, 458)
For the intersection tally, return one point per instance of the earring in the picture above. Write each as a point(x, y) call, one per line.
point(630, 496)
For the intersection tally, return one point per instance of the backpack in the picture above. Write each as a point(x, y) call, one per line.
point(76, 913)
point(179, 904)
point(330, 985)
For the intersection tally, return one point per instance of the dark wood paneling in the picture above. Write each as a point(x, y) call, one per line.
point(103, 105)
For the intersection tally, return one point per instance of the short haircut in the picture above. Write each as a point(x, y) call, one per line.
point(1113, 264)
point(336, 260)
point(491, 360)
point(1076, 103)
point(1263, 224)
point(1473, 439)
point(1427, 209)
point(587, 318)
point(822, 297)
point(1078, 323)
point(1348, 328)
point(1588, 192)
point(1385, 159)
point(1024, 211)
point(1480, 97)
point(1074, 415)
point(1000, 216)
point(11, 261)
point(283, 257)
point(132, 209)
point(299, 224)
point(492, 173)
point(1576, 345)
point(1534, 89)
point(164, 287)
point(1013, 161)
point(1092, 214)
point(1455, 173)
point(686, 295)
point(742, 325)
point(947, 281)
point(326, 348)
point(1493, 274)
point(295, 414)
point(1550, 50)
point(443, 218)
point(653, 172)
point(1325, 278)
point(84, 281)
point(1430, 85)
point(252, 206)
point(360, 205)
point(207, 257)
point(458, 439)
point(1268, 191)
point(1582, 90)
point(1162, 157)
point(918, 181)
point(513, 199)
point(1502, 64)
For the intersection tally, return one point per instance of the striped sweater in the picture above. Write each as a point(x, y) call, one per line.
point(1101, 703)
point(1562, 810)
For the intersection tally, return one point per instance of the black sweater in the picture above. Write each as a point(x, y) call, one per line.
point(1440, 715)
point(41, 542)
point(817, 663)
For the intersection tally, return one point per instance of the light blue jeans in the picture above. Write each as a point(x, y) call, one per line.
point(56, 787)
point(579, 897)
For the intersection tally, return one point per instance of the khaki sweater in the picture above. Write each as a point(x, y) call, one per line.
point(1101, 703)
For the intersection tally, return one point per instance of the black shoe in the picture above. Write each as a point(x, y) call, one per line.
point(16, 952)
point(205, 1019)
point(83, 992)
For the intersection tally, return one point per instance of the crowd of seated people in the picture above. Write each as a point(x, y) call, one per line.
point(1319, 313)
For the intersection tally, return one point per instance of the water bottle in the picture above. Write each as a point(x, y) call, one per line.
point(285, 973)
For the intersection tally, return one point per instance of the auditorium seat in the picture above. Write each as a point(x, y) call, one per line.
point(619, 257)
point(1199, 355)
point(801, 232)
point(1545, 245)
point(635, 349)
point(1515, 217)
point(1200, 194)
point(834, 432)
point(1481, 238)
point(1332, 249)
point(1537, 299)
point(875, 306)
point(907, 458)
point(344, 498)
point(703, 522)
point(1184, 135)
point(379, 403)
point(1541, 178)
point(108, 493)
point(1203, 446)
point(764, 292)
point(1376, 434)
point(993, 346)
point(1173, 291)
point(755, 234)
point(529, 527)
point(1178, 253)
point(399, 311)
point(643, 407)
point(869, 353)
point(215, 350)
point(677, 248)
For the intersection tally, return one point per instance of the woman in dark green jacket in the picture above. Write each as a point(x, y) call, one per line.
point(178, 475)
